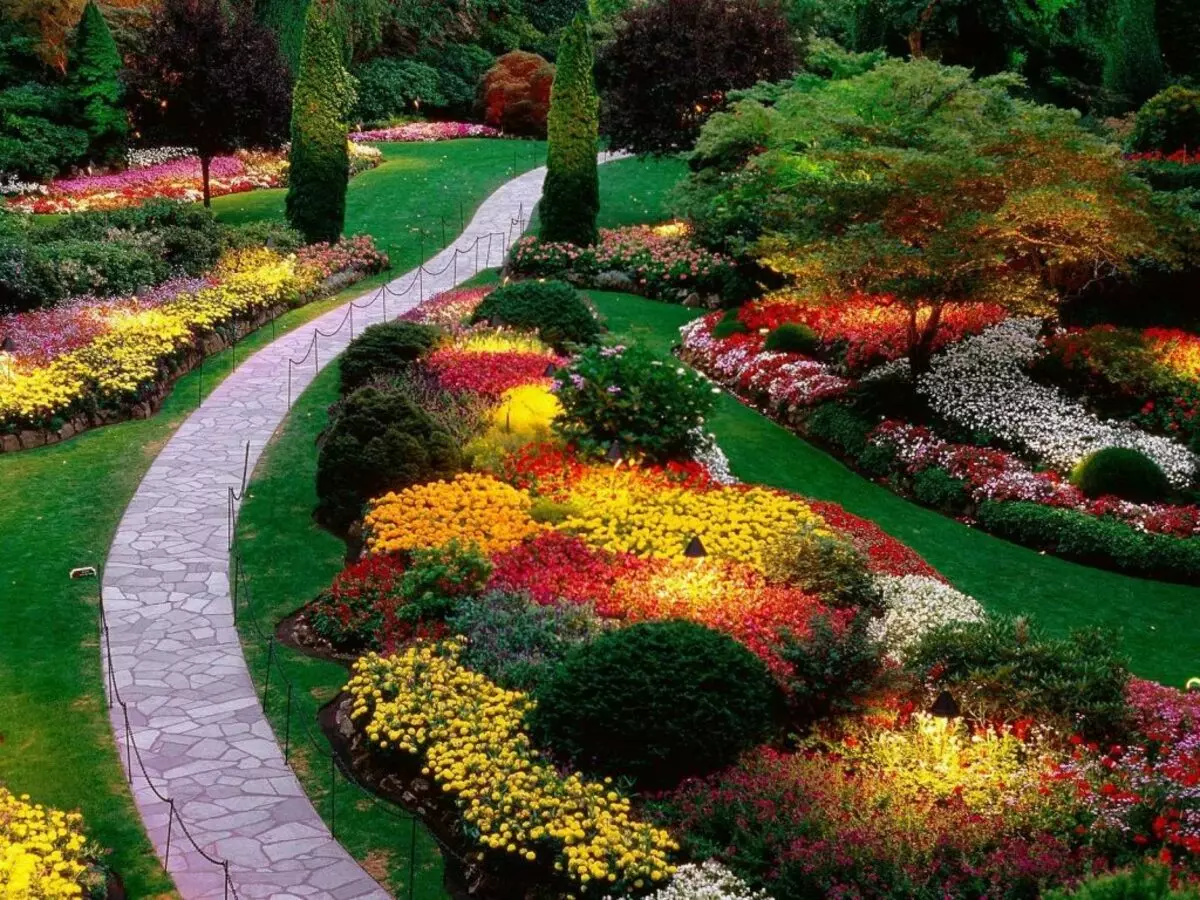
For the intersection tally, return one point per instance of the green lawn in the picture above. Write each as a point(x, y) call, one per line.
point(1159, 621)
point(62, 504)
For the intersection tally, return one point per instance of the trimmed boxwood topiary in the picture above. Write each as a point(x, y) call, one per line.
point(554, 308)
point(792, 337)
point(379, 442)
point(1128, 474)
point(658, 701)
point(385, 349)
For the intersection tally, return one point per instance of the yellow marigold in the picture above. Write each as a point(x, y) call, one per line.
point(470, 731)
point(622, 512)
point(500, 341)
point(471, 509)
point(43, 852)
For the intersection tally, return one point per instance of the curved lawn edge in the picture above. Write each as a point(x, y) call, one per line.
point(198, 734)
point(1158, 619)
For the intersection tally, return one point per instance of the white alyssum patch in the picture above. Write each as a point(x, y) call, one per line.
point(710, 455)
point(10, 184)
point(707, 881)
point(981, 383)
point(156, 156)
point(917, 604)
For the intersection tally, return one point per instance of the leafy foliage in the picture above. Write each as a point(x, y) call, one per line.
point(94, 66)
point(388, 348)
point(1169, 121)
point(552, 308)
point(1146, 882)
point(571, 193)
point(649, 406)
point(390, 87)
point(792, 337)
point(833, 668)
point(673, 62)
point(379, 442)
point(1133, 66)
point(320, 160)
point(209, 77)
point(1008, 668)
point(821, 563)
point(515, 94)
point(1122, 472)
point(657, 701)
point(918, 181)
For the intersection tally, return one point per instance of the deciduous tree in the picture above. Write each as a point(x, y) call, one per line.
point(210, 78)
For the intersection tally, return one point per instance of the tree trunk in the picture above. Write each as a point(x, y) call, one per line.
point(920, 341)
point(205, 165)
point(916, 37)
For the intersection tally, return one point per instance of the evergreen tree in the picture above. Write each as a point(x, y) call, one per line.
point(93, 71)
point(1133, 65)
point(571, 195)
point(286, 19)
point(320, 163)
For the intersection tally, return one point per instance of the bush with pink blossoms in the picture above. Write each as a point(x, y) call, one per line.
point(449, 309)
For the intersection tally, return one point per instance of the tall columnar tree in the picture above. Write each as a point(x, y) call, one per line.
point(93, 70)
point(320, 164)
point(1133, 65)
point(571, 195)
point(211, 78)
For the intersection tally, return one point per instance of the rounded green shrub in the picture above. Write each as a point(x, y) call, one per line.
point(388, 348)
point(1169, 121)
point(938, 488)
point(379, 442)
point(1128, 474)
point(729, 325)
point(792, 337)
point(391, 87)
point(658, 701)
point(552, 308)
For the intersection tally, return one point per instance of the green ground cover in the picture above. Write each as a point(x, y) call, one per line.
point(62, 504)
point(1158, 620)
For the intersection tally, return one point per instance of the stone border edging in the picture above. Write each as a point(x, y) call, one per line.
point(176, 655)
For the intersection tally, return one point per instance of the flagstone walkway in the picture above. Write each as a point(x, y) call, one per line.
point(193, 715)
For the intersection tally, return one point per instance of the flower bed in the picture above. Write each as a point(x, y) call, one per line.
point(44, 853)
point(169, 176)
point(92, 361)
point(980, 384)
point(425, 132)
point(658, 261)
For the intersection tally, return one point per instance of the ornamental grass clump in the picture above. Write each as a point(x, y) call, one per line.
point(657, 702)
point(470, 735)
point(631, 397)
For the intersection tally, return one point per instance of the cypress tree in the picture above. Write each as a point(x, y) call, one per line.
point(571, 194)
point(320, 162)
point(1133, 65)
point(286, 18)
point(93, 70)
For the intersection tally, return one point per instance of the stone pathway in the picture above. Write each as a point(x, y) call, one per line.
point(176, 660)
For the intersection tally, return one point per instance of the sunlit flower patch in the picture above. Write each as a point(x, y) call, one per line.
point(469, 734)
point(425, 132)
point(654, 261)
point(449, 308)
point(44, 852)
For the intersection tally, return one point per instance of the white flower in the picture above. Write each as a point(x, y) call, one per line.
point(981, 383)
point(707, 881)
point(710, 455)
point(917, 604)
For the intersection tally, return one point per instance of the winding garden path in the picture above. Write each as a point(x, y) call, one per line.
point(176, 662)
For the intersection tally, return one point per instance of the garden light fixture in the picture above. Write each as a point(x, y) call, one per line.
point(945, 706)
point(695, 549)
point(615, 453)
point(551, 370)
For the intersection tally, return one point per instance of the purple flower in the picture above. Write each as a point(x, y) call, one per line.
point(613, 389)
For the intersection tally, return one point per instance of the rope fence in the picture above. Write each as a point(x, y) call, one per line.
point(282, 686)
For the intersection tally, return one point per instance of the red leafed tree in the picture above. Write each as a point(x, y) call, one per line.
point(515, 93)
point(211, 78)
point(673, 61)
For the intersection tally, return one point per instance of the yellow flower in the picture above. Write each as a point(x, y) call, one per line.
point(44, 854)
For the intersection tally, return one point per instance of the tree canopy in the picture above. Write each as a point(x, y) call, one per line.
point(210, 77)
point(917, 181)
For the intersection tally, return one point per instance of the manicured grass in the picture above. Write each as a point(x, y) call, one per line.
point(1159, 621)
point(62, 504)
point(635, 191)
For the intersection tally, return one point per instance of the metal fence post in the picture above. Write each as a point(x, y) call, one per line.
point(333, 795)
point(267, 676)
point(170, 823)
point(287, 725)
